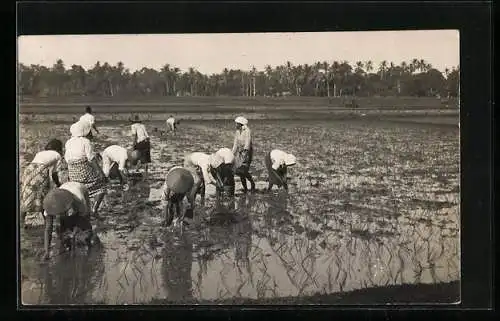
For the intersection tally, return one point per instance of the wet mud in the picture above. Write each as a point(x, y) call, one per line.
point(372, 207)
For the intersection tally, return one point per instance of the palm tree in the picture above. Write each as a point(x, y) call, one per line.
point(253, 74)
point(359, 67)
point(166, 74)
point(415, 65)
point(446, 71)
point(382, 68)
point(369, 66)
point(404, 67)
point(59, 76)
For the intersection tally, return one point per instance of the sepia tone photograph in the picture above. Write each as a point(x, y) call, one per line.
point(239, 168)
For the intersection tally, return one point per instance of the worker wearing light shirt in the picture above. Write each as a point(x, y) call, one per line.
point(277, 162)
point(90, 119)
point(118, 158)
point(200, 165)
point(171, 123)
point(224, 171)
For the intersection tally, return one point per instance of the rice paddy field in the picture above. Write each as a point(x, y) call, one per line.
point(371, 216)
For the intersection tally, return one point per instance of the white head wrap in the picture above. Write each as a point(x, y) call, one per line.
point(241, 120)
point(290, 160)
point(215, 160)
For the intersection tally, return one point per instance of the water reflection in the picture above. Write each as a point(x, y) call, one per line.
point(316, 239)
point(73, 277)
point(177, 261)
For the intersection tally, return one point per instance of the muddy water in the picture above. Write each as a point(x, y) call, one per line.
point(370, 204)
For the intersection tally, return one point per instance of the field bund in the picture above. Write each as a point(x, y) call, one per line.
point(413, 109)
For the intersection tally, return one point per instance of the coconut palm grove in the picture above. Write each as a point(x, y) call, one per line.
point(415, 78)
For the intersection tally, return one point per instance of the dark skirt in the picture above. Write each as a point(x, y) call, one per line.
point(276, 177)
point(225, 175)
point(144, 148)
point(242, 161)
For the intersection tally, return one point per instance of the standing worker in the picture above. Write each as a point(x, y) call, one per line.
point(243, 152)
point(141, 142)
point(88, 117)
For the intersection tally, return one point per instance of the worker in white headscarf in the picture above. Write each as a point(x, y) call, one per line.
point(243, 152)
point(277, 163)
point(82, 163)
point(224, 172)
point(200, 165)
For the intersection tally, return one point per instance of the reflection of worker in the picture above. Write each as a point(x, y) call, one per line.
point(277, 214)
point(72, 278)
point(176, 267)
point(179, 184)
point(242, 233)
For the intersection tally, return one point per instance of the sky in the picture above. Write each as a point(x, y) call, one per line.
point(211, 53)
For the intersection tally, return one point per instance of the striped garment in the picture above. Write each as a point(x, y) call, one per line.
point(35, 184)
point(83, 172)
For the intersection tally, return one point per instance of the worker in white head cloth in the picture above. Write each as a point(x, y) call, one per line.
point(277, 163)
point(116, 160)
point(224, 172)
point(243, 152)
point(82, 163)
point(200, 165)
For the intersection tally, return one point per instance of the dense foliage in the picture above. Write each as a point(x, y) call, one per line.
point(415, 78)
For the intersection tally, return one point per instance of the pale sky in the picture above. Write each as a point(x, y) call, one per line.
point(211, 53)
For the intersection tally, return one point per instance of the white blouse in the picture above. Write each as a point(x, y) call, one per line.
point(226, 154)
point(242, 139)
point(140, 131)
point(89, 118)
point(49, 158)
point(114, 154)
point(203, 161)
point(81, 194)
point(78, 148)
point(278, 158)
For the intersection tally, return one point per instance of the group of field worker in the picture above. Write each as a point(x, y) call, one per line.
point(69, 204)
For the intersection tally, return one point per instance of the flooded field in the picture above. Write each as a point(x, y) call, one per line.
point(370, 204)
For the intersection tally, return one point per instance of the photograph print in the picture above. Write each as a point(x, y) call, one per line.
point(239, 168)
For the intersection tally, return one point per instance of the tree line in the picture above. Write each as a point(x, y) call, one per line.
point(335, 79)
